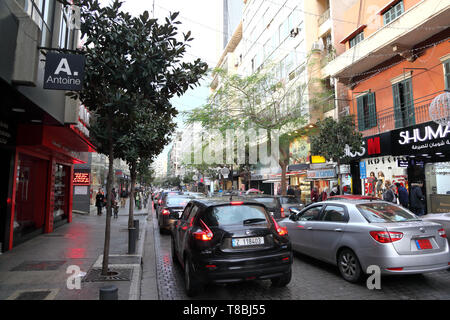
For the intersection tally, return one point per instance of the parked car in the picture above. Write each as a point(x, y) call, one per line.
point(278, 206)
point(355, 234)
point(218, 241)
point(172, 210)
point(441, 218)
point(253, 191)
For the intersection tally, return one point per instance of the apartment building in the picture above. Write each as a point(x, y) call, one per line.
point(393, 57)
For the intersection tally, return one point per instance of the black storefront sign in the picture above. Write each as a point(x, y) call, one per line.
point(64, 71)
point(373, 146)
point(427, 138)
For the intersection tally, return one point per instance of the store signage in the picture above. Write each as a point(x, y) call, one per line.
point(362, 170)
point(425, 138)
point(317, 159)
point(81, 178)
point(64, 71)
point(402, 163)
point(372, 146)
point(321, 174)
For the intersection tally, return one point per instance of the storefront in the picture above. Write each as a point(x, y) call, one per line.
point(427, 149)
point(298, 177)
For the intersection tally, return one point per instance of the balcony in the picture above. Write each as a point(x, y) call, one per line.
point(386, 120)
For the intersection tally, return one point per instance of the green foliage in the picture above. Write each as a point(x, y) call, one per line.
point(333, 136)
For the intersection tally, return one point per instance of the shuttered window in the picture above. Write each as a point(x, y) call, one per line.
point(393, 13)
point(447, 74)
point(367, 113)
point(403, 104)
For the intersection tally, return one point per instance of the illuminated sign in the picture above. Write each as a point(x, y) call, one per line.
point(81, 178)
point(317, 159)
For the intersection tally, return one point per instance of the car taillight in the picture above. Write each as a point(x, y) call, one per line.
point(442, 233)
point(282, 213)
point(280, 230)
point(159, 201)
point(165, 212)
point(204, 235)
point(236, 203)
point(386, 236)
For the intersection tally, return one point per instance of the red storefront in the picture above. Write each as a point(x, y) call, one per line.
point(41, 197)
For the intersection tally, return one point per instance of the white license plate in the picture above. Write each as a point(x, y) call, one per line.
point(241, 242)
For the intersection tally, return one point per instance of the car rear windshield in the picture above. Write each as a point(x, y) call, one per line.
point(178, 201)
point(289, 200)
point(385, 212)
point(234, 215)
point(268, 202)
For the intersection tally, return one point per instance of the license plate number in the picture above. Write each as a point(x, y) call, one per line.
point(423, 244)
point(241, 242)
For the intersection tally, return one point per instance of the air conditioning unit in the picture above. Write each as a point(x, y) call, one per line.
point(294, 32)
point(317, 45)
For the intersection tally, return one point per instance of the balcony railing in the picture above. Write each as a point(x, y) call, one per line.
point(324, 17)
point(386, 120)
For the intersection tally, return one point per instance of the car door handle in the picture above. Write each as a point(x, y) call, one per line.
point(309, 228)
point(338, 230)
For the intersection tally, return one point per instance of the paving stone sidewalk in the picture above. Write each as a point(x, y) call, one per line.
point(45, 267)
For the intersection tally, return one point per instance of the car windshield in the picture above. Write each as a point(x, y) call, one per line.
point(289, 200)
point(385, 212)
point(234, 215)
point(269, 202)
point(178, 201)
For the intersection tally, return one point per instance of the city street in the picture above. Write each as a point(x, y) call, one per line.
point(311, 279)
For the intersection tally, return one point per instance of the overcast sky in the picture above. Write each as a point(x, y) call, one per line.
point(202, 18)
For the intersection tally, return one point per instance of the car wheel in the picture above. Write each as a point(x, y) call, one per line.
point(349, 266)
point(191, 284)
point(283, 280)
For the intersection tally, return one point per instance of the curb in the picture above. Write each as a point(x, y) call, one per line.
point(135, 288)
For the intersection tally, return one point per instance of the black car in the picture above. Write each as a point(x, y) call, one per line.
point(221, 241)
point(278, 205)
point(162, 198)
point(172, 210)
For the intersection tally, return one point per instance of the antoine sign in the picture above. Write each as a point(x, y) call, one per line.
point(64, 71)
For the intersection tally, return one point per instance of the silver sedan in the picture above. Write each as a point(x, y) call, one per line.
point(356, 234)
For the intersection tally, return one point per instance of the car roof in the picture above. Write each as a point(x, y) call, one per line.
point(208, 202)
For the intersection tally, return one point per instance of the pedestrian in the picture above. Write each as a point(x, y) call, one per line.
point(324, 194)
point(389, 194)
point(100, 201)
point(403, 196)
point(314, 195)
point(114, 204)
point(298, 193)
point(334, 191)
point(290, 191)
point(123, 197)
point(417, 199)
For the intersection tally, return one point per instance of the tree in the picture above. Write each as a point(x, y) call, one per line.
point(262, 100)
point(333, 137)
point(132, 63)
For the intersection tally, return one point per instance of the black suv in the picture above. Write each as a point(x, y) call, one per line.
point(172, 210)
point(222, 241)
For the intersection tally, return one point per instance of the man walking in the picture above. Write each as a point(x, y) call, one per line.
point(403, 196)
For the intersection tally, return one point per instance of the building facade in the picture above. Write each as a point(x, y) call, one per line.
point(42, 132)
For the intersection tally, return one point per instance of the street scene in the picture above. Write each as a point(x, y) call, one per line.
point(240, 151)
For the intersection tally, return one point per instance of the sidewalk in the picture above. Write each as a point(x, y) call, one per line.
point(39, 268)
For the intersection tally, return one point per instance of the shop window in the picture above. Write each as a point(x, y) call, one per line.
point(367, 113)
point(60, 193)
point(403, 104)
point(393, 13)
point(356, 39)
point(437, 187)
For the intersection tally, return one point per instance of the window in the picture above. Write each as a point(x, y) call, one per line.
point(367, 113)
point(41, 11)
point(334, 214)
point(447, 74)
point(385, 212)
point(311, 214)
point(403, 104)
point(393, 13)
point(234, 215)
point(356, 39)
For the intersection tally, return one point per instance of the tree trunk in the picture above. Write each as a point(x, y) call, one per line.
point(132, 191)
point(109, 184)
point(283, 178)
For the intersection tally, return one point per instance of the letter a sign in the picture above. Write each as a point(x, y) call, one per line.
point(64, 71)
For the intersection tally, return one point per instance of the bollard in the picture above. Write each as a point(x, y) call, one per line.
point(136, 226)
point(109, 293)
point(132, 237)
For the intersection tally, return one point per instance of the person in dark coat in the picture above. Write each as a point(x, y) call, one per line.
point(389, 194)
point(290, 191)
point(403, 196)
point(298, 193)
point(100, 201)
point(417, 199)
point(314, 195)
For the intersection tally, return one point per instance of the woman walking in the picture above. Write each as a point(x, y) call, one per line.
point(100, 201)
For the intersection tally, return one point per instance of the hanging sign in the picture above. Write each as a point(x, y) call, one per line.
point(64, 71)
point(81, 178)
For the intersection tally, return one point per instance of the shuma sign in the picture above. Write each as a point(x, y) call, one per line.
point(64, 71)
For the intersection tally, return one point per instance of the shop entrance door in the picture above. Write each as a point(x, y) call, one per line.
point(31, 191)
